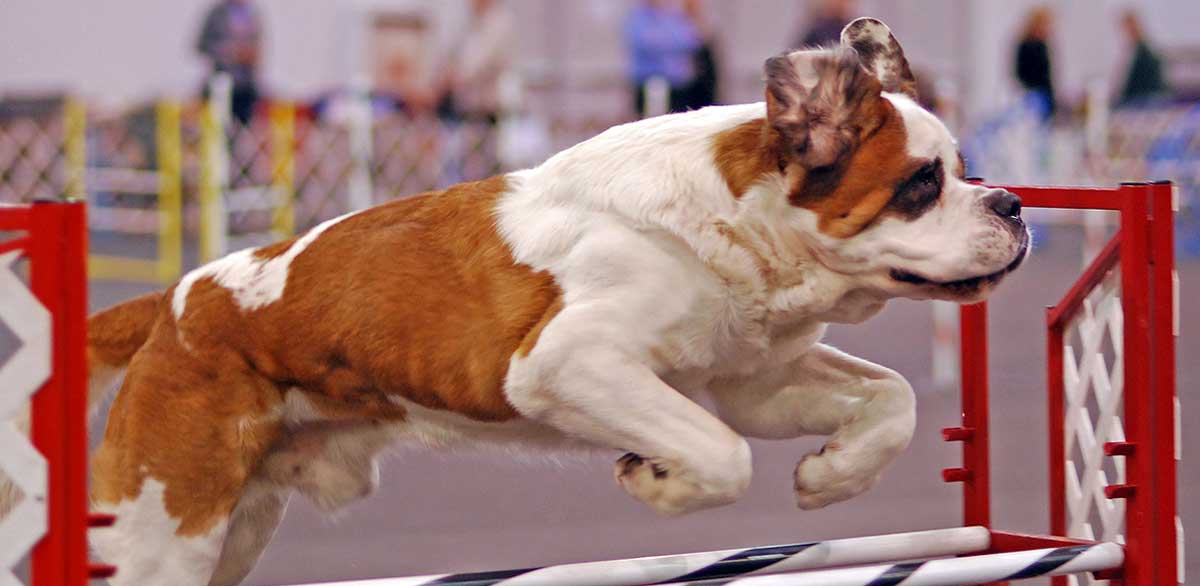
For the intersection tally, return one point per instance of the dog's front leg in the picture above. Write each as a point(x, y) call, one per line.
point(868, 411)
point(681, 458)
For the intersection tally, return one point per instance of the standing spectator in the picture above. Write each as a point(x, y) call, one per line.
point(231, 40)
point(481, 61)
point(825, 24)
point(1144, 79)
point(1033, 67)
point(703, 89)
point(663, 42)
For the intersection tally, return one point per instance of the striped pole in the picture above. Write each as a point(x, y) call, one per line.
point(720, 565)
point(982, 569)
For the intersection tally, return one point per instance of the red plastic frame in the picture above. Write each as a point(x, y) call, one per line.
point(56, 245)
point(1143, 248)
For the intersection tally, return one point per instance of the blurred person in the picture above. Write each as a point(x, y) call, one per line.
point(703, 89)
point(1033, 65)
point(663, 42)
point(478, 64)
point(231, 40)
point(1144, 78)
point(825, 23)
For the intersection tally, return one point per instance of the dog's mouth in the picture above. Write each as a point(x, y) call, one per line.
point(968, 284)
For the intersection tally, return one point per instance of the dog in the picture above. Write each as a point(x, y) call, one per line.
point(584, 303)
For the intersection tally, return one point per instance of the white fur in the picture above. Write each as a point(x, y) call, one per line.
point(662, 271)
point(672, 288)
point(958, 238)
point(254, 282)
point(144, 547)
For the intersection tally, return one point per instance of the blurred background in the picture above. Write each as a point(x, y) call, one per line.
point(196, 127)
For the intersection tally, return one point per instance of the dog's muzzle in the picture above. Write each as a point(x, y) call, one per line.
point(1005, 205)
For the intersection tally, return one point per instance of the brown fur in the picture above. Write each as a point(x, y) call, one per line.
point(860, 189)
point(745, 153)
point(846, 197)
point(116, 333)
point(419, 299)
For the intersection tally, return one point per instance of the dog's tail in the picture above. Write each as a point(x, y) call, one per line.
point(114, 336)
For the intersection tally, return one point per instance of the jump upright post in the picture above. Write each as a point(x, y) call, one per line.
point(1129, 293)
point(48, 375)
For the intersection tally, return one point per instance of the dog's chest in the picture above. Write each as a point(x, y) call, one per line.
point(738, 356)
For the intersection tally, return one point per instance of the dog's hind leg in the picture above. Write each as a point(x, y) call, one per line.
point(184, 441)
point(330, 463)
point(251, 527)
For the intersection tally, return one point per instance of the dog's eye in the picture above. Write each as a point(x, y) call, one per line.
point(920, 191)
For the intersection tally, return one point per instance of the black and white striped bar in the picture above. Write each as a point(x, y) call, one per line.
point(964, 571)
point(719, 565)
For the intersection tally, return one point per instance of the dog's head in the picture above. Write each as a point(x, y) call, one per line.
point(875, 182)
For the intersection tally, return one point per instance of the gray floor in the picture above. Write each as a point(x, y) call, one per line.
point(471, 510)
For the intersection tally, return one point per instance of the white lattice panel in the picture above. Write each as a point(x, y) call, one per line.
point(1093, 381)
point(20, 377)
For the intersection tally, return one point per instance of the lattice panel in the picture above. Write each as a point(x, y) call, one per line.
point(31, 159)
point(324, 164)
point(414, 155)
point(252, 198)
point(22, 374)
point(1093, 381)
point(122, 179)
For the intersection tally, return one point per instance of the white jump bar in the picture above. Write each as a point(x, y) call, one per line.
point(725, 565)
point(980, 569)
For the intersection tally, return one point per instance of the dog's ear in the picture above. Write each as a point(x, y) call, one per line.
point(821, 103)
point(881, 55)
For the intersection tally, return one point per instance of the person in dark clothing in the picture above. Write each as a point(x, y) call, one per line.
point(702, 91)
point(1033, 65)
point(1145, 77)
point(826, 23)
point(230, 39)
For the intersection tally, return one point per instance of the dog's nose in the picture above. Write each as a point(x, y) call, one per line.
point(1006, 204)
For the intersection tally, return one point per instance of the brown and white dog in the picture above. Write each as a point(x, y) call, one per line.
point(585, 302)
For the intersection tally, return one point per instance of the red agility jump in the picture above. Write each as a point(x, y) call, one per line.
point(49, 317)
point(1127, 294)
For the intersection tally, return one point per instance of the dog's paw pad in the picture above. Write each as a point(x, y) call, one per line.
point(631, 463)
point(819, 483)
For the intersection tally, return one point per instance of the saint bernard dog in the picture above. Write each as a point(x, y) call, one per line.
point(585, 302)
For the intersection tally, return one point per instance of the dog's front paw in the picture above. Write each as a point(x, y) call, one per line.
point(825, 478)
point(668, 491)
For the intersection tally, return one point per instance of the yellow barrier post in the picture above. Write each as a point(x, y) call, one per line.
point(75, 148)
point(167, 264)
point(170, 191)
point(283, 168)
point(214, 162)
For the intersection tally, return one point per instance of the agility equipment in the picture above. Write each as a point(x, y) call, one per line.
point(47, 374)
point(1113, 424)
point(1112, 406)
point(245, 169)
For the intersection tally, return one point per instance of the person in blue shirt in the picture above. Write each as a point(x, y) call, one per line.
point(663, 42)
